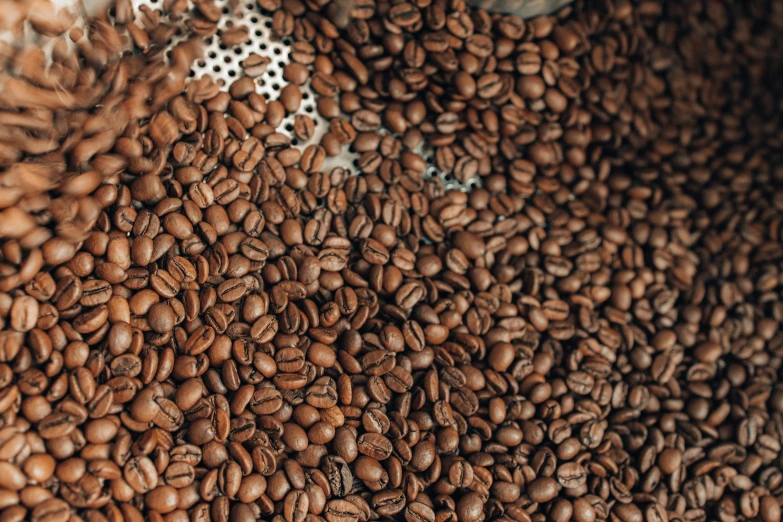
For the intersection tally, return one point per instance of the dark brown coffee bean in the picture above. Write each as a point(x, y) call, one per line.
point(365, 120)
point(304, 127)
point(255, 65)
point(140, 474)
point(51, 510)
point(231, 290)
point(419, 512)
point(266, 401)
point(375, 445)
point(302, 52)
point(235, 35)
point(388, 502)
point(324, 84)
point(341, 511)
point(404, 15)
point(254, 249)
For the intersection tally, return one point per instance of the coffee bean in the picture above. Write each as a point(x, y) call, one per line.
point(255, 65)
point(324, 84)
point(461, 474)
point(291, 97)
point(404, 15)
point(365, 120)
point(388, 502)
point(266, 401)
point(338, 474)
point(375, 445)
point(419, 512)
point(51, 510)
point(304, 127)
point(24, 314)
point(140, 474)
point(295, 506)
point(341, 511)
point(254, 249)
point(282, 23)
point(302, 52)
point(231, 290)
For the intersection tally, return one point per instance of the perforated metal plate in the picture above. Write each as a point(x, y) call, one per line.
point(224, 65)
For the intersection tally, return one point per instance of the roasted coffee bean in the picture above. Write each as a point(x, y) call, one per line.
point(324, 84)
point(341, 511)
point(235, 35)
point(375, 445)
point(304, 127)
point(266, 401)
point(389, 502)
point(419, 512)
point(255, 65)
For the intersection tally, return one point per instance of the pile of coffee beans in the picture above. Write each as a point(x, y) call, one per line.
point(202, 323)
point(68, 93)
